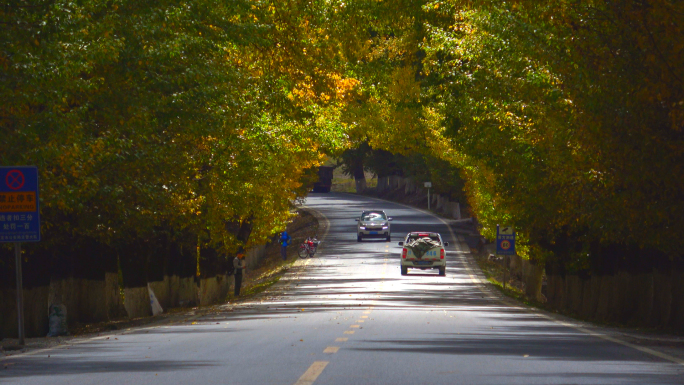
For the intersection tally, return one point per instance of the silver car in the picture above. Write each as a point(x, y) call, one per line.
point(373, 224)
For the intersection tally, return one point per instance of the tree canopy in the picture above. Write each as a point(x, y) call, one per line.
point(563, 117)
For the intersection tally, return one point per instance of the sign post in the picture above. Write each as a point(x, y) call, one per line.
point(20, 293)
point(428, 185)
point(505, 245)
point(19, 221)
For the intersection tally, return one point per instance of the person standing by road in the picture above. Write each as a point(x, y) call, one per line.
point(285, 240)
point(239, 265)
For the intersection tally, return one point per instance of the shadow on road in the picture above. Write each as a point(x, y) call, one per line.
point(349, 275)
point(68, 365)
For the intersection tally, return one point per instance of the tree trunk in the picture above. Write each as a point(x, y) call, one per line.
point(532, 274)
point(360, 185)
point(359, 177)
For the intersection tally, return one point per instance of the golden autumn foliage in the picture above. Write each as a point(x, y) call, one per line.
point(149, 115)
point(563, 117)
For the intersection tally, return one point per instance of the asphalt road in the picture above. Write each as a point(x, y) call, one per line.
point(347, 316)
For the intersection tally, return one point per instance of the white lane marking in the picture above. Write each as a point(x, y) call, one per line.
point(310, 376)
point(606, 337)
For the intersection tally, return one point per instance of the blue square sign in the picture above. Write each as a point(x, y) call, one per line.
point(19, 209)
point(505, 241)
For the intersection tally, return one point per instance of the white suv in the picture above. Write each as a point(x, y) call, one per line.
point(423, 250)
point(373, 224)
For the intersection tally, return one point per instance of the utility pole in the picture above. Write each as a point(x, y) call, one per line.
point(20, 294)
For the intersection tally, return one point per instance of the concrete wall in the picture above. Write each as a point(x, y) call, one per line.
point(654, 299)
point(35, 312)
point(113, 301)
point(137, 302)
point(438, 203)
point(86, 300)
point(175, 291)
point(254, 256)
point(214, 290)
point(383, 184)
point(89, 301)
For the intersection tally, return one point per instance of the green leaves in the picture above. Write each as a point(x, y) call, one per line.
point(140, 114)
point(564, 117)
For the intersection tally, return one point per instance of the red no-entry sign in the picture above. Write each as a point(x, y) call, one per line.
point(15, 179)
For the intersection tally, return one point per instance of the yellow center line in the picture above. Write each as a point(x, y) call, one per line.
point(331, 349)
point(348, 332)
point(355, 326)
point(360, 321)
point(364, 316)
point(310, 376)
point(341, 339)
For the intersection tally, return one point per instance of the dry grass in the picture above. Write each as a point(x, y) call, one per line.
point(345, 183)
point(494, 272)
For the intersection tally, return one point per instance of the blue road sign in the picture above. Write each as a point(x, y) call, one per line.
point(19, 211)
point(505, 241)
